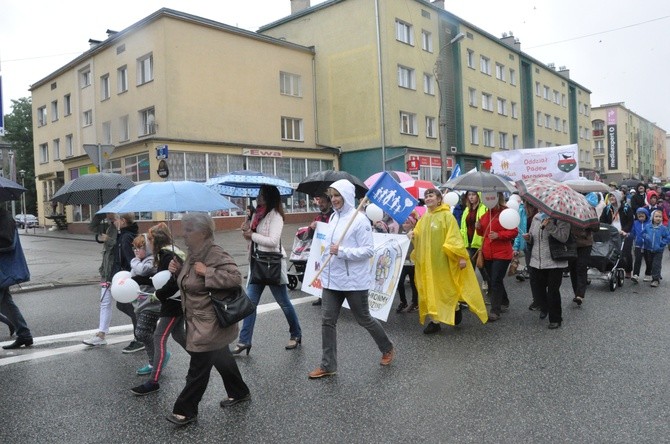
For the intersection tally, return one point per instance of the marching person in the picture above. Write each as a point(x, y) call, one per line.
point(325, 211)
point(347, 276)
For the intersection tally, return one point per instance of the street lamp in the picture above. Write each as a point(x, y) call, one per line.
point(22, 173)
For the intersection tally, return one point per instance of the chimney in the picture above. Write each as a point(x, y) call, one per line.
point(93, 43)
point(299, 5)
point(565, 72)
point(438, 4)
point(110, 33)
point(508, 39)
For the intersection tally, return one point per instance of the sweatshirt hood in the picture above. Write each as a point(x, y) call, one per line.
point(347, 191)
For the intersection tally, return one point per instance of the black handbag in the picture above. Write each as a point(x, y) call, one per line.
point(232, 309)
point(265, 266)
point(563, 251)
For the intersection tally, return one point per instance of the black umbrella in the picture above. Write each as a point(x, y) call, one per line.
point(479, 181)
point(317, 183)
point(93, 189)
point(631, 183)
point(10, 190)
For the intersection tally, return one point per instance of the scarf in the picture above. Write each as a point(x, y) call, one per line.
point(258, 216)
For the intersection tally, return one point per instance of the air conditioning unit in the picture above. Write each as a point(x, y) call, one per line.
point(453, 149)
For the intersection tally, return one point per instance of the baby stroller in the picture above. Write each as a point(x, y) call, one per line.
point(606, 256)
point(298, 258)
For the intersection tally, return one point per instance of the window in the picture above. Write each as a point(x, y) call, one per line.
point(487, 102)
point(408, 123)
point(431, 131)
point(122, 79)
point(406, 78)
point(69, 148)
point(85, 77)
point(474, 135)
point(147, 122)
point(502, 139)
point(88, 117)
point(580, 107)
point(136, 168)
point(502, 106)
point(145, 69)
point(107, 133)
point(56, 149)
point(538, 118)
point(41, 116)
point(472, 97)
point(488, 137)
point(515, 110)
point(428, 84)
point(565, 126)
point(500, 72)
point(538, 89)
point(291, 129)
point(124, 129)
point(54, 110)
point(599, 147)
point(471, 59)
point(67, 105)
point(547, 121)
point(512, 77)
point(44, 153)
point(515, 142)
point(104, 87)
point(600, 165)
point(581, 133)
point(564, 101)
point(426, 41)
point(485, 65)
point(290, 84)
point(557, 123)
point(557, 97)
point(540, 143)
point(404, 32)
point(546, 93)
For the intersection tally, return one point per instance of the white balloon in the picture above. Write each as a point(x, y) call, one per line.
point(513, 204)
point(489, 199)
point(510, 218)
point(374, 213)
point(451, 198)
point(515, 197)
point(160, 279)
point(120, 275)
point(125, 290)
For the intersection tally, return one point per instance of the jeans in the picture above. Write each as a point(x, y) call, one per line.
point(497, 270)
point(407, 270)
point(546, 287)
point(105, 307)
point(330, 311)
point(9, 309)
point(656, 263)
point(280, 293)
point(165, 326)
point(579, 271)
point(639, 255)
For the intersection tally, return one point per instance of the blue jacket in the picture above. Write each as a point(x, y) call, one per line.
point(519, 241)
point(655, 237)
point(638, 227)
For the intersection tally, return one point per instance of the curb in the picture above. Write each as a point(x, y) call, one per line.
point(48, 285)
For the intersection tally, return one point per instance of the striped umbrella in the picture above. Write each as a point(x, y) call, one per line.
point(10, 190)
point(93, 189)
point(247, 183)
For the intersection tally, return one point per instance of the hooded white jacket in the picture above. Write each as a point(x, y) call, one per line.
point(350, 268)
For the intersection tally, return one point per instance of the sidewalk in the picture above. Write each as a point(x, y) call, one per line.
point(84, 260)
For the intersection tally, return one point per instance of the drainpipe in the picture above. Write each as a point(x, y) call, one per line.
point(381, 86)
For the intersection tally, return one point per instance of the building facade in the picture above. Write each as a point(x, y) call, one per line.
point(222, 99)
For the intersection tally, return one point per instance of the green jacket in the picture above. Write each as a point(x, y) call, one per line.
point(476, 239)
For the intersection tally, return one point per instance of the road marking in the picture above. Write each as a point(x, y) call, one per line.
point(20, 355)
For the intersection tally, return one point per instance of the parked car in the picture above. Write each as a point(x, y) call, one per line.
point(25, 220)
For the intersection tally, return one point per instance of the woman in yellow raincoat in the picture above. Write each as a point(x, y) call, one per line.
point(444, 274)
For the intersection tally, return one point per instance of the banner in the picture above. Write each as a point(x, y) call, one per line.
point(612, 148)
point(388, 195)
point(557, 162)
point(383, 274)
point(455, 172)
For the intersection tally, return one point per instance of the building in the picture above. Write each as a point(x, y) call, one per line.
point(221, 98)
point(627, 146)
point(407, 80)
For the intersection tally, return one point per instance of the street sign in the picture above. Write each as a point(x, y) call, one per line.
point(161, 152)
point(99, 154)
point(163, 170)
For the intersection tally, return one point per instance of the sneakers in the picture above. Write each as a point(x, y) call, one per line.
point(387, 357)
point(578, 300)
point(146, 370)
point(493, 317)
point(412, 308)
point(401, 306)
point(485, 286)
point(133, 347)
point(319, 373)
point(95, 340)
point(647, 279)
point(432, 327)
point(145, 389)
point(635, 278)
point(655, 283)
point(534, 307)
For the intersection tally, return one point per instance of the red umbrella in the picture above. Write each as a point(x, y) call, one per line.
point(417, 187)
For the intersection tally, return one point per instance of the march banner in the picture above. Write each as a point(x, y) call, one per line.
point(384, 272)
point(557, 162)
point(388, 195)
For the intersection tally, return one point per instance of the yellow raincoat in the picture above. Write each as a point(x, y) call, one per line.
point(438, 246)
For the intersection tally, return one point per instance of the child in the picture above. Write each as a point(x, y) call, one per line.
point(638, 228)
point(408, 270)
point(147, 309)
point(655, 236)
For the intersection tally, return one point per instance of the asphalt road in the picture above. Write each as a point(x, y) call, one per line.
point(602, 377)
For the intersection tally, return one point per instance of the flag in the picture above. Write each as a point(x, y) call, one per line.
point(393, 199)
point(455, 172)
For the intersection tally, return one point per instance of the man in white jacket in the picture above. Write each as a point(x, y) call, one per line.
point(347, 276)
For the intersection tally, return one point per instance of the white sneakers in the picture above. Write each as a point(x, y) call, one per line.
point(485, 286)
point(95, 340)
point(647, 279)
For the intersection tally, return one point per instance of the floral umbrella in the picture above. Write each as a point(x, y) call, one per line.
point(559, 201)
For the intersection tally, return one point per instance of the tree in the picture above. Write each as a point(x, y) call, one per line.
point(19, 134)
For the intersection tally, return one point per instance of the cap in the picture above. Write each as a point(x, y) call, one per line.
point(613, 184)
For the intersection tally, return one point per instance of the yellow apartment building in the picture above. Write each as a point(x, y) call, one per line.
point(407, 80)
point(221, 98)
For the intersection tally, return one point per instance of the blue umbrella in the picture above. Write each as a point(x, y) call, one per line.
point(247, 183)
point(169, 196)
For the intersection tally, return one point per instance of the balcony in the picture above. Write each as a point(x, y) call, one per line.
point(598, 133)
point(599, 152)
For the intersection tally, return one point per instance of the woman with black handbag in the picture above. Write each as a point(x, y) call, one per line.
point(264, 233)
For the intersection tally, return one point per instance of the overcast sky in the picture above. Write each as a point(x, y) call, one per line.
point(620, 50)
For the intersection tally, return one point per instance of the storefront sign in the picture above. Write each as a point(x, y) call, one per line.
point(256, 152)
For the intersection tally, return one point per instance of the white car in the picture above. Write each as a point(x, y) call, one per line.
point(25, 220)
